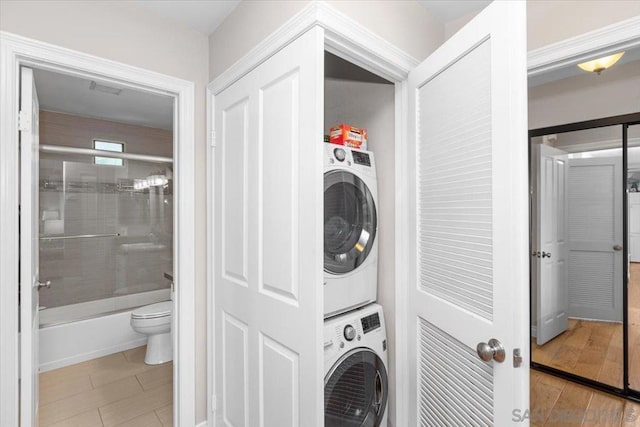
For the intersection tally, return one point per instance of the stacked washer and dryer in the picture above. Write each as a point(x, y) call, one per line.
point(355, 341)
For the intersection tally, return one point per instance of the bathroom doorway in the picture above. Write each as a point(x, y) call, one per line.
point(106, 232)
point(98, 185)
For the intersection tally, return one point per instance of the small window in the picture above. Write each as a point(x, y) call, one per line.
point(117, 147)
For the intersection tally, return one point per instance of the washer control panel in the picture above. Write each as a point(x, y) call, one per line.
point(370, 323)
point(364, 327)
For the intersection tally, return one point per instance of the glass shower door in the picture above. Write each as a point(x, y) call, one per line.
point(106, 236)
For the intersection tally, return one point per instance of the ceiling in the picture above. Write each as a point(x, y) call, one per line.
point(206, 15)
point(201, 15)
point(448, 10)
point(72, 95)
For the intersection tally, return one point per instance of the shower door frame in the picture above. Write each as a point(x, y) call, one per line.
point(17, 51)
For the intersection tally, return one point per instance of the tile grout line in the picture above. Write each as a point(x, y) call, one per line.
point(100, 415)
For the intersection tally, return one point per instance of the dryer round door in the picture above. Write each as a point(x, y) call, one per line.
point(355, 390)
point(350, 222)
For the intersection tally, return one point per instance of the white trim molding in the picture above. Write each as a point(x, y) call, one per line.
point(343, 36)
point(17, 51)
point(620, 36)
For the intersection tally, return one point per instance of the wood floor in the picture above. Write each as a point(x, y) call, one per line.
point(594, 350)
point(590, 349)
point(557, 402)
point(115, 390)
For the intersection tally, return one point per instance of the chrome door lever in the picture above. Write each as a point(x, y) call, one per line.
point(46, 284)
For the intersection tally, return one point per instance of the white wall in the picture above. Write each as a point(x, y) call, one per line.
point(551, 21)
point(586, 96)
point(127, 33)
point(404, 23)
point(371, 106)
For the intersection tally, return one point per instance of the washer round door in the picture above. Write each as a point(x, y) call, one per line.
point(355, 391)
point(350, 222)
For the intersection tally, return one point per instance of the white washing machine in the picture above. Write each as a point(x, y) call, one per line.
point(350, 229)
point(355, 366)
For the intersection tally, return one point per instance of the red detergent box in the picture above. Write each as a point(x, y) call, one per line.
point(349, 136)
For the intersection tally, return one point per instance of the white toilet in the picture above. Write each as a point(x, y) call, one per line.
point(155, 321)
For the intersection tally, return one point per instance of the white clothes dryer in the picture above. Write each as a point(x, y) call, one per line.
point(350, 229)
point(355, 361)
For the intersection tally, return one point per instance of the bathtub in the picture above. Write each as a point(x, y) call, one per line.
point(65, 342)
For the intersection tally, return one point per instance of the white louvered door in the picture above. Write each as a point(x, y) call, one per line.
point(268, 301)
point(468, 262)
point(595, 230)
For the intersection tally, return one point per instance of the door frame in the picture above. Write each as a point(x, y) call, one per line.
point(16, 51)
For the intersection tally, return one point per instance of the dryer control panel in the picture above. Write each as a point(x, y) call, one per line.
point(361, 158)
point(348, 157)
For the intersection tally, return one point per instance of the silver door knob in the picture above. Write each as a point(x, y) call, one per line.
point(491, 350)
point(46, 284)
point(617, 248)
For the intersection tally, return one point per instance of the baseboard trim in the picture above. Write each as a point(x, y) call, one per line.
point(61, 363)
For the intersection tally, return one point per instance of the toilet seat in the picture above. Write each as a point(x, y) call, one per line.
point(153, 311)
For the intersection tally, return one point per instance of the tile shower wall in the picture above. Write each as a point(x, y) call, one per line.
point(78, 197)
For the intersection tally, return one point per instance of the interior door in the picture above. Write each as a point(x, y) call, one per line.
point(551, 255)
point(595, 238)
point(269, 241)
point(29, 238)
point(468, 226)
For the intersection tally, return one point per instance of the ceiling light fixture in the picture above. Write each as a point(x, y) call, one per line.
point(601, 64)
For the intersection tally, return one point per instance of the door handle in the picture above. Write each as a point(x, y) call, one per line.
point(617, 248)
point(491, 350)
point(46, 284)
point(546, 254)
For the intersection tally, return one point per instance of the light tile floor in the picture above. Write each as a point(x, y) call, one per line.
point(115, 390)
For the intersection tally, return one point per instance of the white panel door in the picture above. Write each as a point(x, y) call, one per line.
point(29, 246)
point(594, 191)
point(268, 241)
point(551, 254)
point(468, 282)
